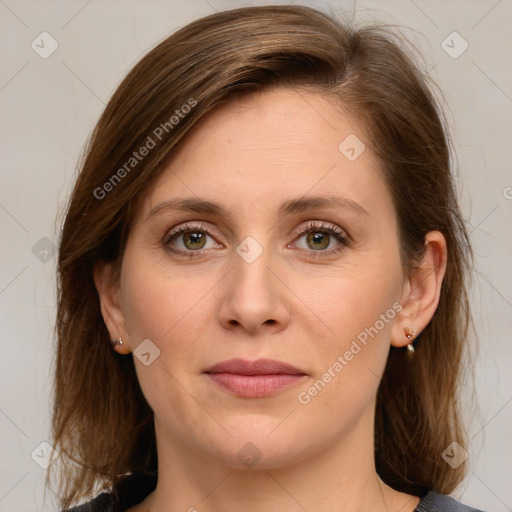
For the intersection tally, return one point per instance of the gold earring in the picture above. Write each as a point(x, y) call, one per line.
point(410, 336)
point(117, 341)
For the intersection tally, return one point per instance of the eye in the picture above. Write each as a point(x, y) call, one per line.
point(189, 238)
point(318, 239)
point(324, 239)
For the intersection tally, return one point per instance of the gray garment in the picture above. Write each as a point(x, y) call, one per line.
point(135, 488)
point(435, 502)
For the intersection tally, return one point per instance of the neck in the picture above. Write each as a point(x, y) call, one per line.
point(340, 477)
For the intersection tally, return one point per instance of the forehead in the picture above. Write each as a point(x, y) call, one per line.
point(269, 146)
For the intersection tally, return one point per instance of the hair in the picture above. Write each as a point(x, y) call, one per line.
point(102, 425)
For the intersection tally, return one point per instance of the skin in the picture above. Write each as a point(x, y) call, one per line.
point(251, 155)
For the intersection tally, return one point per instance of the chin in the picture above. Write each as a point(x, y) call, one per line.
point(257, 444)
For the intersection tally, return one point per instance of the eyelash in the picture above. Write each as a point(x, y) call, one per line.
point(339, 234)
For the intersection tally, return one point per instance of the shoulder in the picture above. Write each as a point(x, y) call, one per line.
point(435, 502)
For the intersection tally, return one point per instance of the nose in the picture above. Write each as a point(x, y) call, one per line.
point(254, 297)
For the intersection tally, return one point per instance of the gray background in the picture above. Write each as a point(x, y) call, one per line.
point(49, 106)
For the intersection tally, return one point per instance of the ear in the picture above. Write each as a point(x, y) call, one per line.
point(422, 290)
point(108, 288)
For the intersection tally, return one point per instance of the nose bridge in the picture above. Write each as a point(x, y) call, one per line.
point(251, 274)
point(255, 297)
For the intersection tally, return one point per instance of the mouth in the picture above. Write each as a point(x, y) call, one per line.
point(254, 379)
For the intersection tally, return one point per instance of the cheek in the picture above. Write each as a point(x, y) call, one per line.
point(349, 301)
point(357, 311)
point(173, 310)
point(167, 310)
point(155, 303)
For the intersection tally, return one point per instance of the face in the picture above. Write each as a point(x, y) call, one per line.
point(297, 261)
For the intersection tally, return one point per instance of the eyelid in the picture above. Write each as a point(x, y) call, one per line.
point(190, 226)
point(322, 225)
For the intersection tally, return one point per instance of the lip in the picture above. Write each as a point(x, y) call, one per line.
point(257, 367)
point(254, 379)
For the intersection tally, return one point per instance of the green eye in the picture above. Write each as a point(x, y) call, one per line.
point(318, 240)
point(194, 240)
point(319, 237)
point(188, 239)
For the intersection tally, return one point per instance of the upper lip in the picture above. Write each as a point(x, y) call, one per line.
point(257, 367)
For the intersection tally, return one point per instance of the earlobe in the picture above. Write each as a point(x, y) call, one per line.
point(108, 290)
point(422, 291)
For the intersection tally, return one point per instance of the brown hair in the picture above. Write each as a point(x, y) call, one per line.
point(102, 425)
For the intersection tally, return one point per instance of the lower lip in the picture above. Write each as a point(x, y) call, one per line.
point(254, 386)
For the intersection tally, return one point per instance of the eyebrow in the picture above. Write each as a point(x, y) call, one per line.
point(293, 206)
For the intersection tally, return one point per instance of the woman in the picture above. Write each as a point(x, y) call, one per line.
point(262, 299)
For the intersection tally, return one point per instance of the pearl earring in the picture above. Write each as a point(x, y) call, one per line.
point(410, 336)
